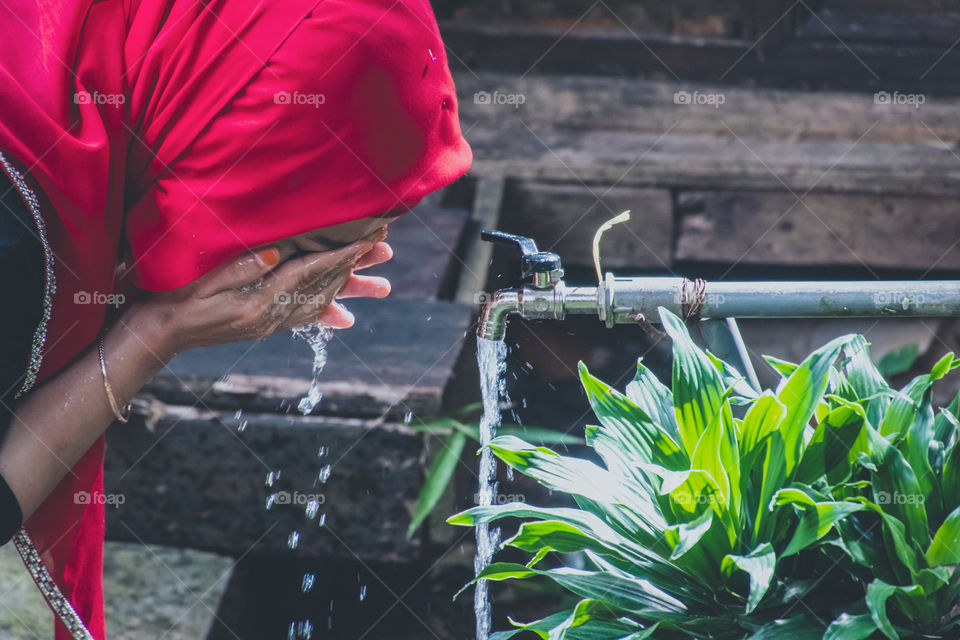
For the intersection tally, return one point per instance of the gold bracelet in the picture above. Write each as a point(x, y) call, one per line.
point(125, 415)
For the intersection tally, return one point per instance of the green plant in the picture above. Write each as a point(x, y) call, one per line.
point(779, 524)
point(455, 429)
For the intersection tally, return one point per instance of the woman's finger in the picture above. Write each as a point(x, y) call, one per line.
point(365, 287)
point(245, 269)
point(380, 253)
point(337, 316)
point(309, 272)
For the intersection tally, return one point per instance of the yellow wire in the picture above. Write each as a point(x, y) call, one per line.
point(623, 217)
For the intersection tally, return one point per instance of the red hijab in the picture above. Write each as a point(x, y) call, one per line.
point(177, 133)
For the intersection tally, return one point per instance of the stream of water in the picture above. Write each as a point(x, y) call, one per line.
point(491, 360)
point(316, 336)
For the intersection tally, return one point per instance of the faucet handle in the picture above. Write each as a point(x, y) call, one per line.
point(532, 261)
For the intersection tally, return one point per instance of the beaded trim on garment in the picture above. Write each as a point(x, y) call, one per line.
point(40, 335)
point(51, 592)
point(22, 541)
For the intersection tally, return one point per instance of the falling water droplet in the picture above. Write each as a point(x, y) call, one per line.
point(324, 474)
point(408, 417)
point(317, 337)
point(510, 474)
point(292, 631)
point(272, 478)
point(308, 581)
point(238, 414)
point(363, 592)
point(311, 509)
point(242, 426)
point(293, 539)
point(323, 520)
point(323, 451)
point(304, 630)
point(270, 500)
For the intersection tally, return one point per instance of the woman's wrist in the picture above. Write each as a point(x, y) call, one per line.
point(157, 335)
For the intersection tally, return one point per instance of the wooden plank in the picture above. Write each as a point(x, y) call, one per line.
point(521, 49)
point(371, 369)
point(811, 63)
point(486, 215)
point(708, 162)
point(603, 103)
point(896, 27)
point(424, 243)
point(563, 219)
point(194, 480)
point(770, 229)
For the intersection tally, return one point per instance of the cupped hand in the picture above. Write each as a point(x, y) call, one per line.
point(259, 292)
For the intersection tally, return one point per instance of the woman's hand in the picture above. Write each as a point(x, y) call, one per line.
point(257, 293)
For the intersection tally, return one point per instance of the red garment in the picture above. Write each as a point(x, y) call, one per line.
point(179, 133)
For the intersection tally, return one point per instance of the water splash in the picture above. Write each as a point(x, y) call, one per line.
point(317, 336)
point(491, 360)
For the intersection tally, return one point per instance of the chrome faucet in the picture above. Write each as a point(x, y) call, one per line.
point(618, 300)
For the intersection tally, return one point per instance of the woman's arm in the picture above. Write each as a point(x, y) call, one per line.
point(248, 298)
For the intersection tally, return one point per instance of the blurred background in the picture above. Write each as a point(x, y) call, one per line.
point(751, 140)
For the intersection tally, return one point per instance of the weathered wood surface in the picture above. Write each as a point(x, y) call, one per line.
point(398, 358)
point(563, 219)
point(591, 103)
point(195, 480)
point(792, 54)
point(825, 229)
point(705, 162)
point(424, 243)
point(521, 49)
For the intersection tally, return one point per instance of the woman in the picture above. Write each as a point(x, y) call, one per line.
point(196, 146)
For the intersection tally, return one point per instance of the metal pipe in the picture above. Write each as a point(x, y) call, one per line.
point(627, 297)
point(622, 300)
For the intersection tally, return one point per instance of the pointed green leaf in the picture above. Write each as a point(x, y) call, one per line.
point(759, 565)
point(945, 548)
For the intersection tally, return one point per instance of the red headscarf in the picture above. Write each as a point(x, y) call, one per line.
point(178, 133)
